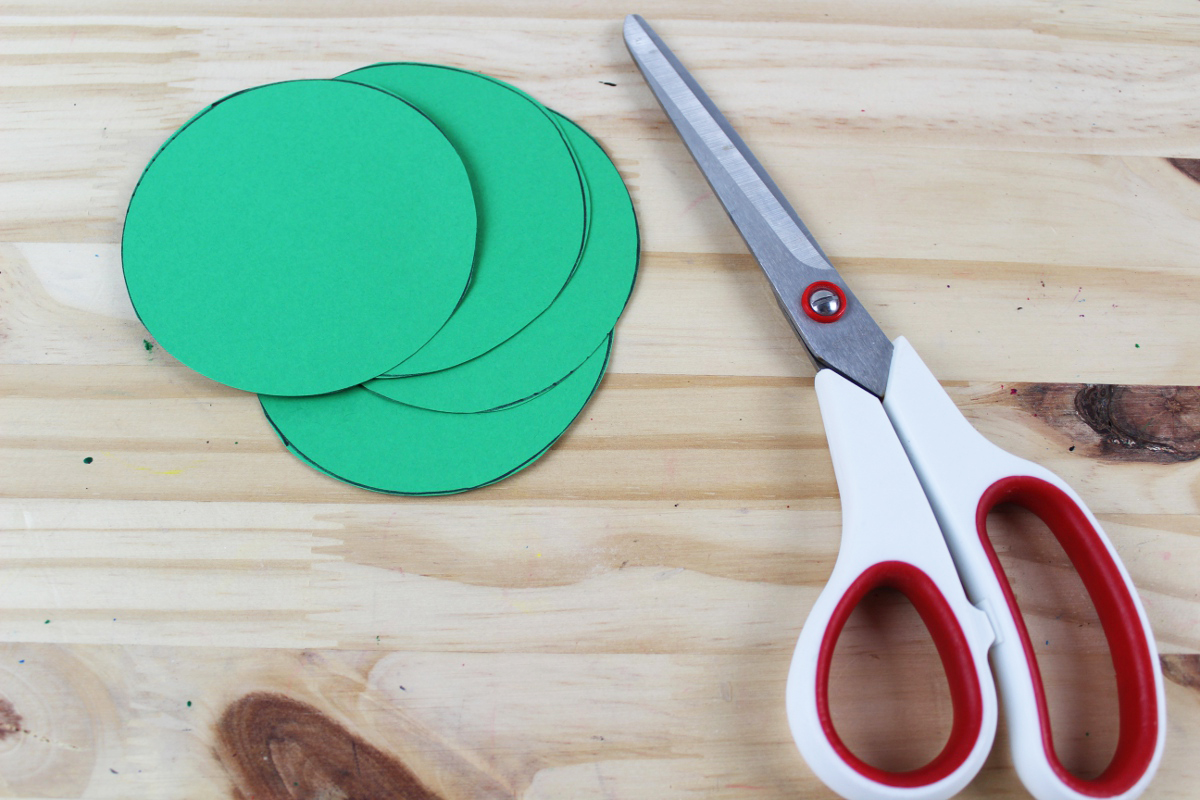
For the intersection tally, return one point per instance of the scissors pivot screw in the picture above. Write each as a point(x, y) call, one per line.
point(824, 301)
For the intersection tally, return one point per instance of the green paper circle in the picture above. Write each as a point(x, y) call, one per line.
point(530, 198)
point(365, 439)
point(300, 237)
point(559, 339)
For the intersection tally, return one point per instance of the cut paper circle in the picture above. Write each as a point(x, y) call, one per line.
point(529, 193)
point(559, 339)
point(367, 440)
point(300, 237)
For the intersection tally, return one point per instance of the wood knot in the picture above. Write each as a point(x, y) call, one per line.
point(10, 720)
point(278, 748)
point(1188, 166)
point(1159, 423)
point(1182, 668)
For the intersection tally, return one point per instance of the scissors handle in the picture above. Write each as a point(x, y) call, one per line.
point(965, 476)
point(890, 538)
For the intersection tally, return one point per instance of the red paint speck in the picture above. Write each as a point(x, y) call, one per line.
point(1012, 391)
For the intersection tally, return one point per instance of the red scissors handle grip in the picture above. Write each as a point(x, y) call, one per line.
point(965, 476)
point(953, 649)
point(1124, 628)
point(890, 538)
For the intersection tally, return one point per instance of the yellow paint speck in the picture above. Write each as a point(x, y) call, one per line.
point(152, 470)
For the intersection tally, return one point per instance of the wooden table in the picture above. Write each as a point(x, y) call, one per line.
point(188, 611)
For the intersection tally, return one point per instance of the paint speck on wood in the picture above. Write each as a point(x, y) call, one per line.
point(278, 748)
point(1182, 668)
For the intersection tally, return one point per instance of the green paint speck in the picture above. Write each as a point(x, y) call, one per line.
point(1137, 345)
point(146, 344)
point(189, 703)
point(87, 460)
point(47, 622)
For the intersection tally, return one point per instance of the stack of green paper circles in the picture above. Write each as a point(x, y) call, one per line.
point(418, 268)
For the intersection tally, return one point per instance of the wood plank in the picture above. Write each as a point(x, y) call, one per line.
point(710, 314)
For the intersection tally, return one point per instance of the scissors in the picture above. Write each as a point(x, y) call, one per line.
point(916, 484)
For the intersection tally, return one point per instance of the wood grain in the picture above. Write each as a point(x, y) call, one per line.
point(185, 610)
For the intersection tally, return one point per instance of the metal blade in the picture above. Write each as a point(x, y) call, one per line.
point(853, 345)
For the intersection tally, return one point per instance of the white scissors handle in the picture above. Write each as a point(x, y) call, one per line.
point(965, 476)
point(890, 538)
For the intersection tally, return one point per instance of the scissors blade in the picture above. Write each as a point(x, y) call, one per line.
point(853, 345)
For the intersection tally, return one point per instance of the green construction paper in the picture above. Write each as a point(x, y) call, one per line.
point(529, 193)
point(300, 237)
point(559, 339)
point(367, 440)
point(318, 468)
